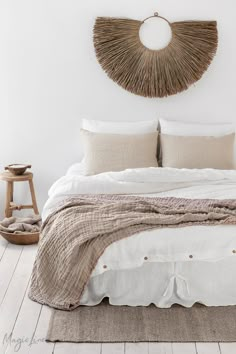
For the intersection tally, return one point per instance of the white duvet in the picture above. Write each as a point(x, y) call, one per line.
point(162, 251)
point(206, 183)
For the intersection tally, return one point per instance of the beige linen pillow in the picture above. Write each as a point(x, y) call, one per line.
point(198, 151)
point(116, 152)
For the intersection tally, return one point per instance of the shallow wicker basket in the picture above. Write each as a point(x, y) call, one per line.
point(21, 239)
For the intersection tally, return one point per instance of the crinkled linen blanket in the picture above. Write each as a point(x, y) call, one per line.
point(21, 225)
point(76, 234)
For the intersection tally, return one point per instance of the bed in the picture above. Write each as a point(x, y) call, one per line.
point(162, 266)
point(179, 262)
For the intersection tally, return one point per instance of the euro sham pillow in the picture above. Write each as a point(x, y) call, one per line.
point(195, 129)
point(129, 128)
point(117, 152)
point(198, 151)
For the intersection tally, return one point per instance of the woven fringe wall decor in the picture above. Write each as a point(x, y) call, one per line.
point(154, 73)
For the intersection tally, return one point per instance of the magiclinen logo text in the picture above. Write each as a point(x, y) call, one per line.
point(18, 342)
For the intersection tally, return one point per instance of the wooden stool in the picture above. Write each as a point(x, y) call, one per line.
point(10, 179)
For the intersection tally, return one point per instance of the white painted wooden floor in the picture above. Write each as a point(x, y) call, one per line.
point(27, 321)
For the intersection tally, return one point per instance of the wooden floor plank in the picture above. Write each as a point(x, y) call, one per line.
point(208, 348)
point(227, 348)
point(114, 348)
point(39, 345)
point(184, 348)
point(160, 348)
point(3, 246)
point(25, 325)
point(136, 348)
point(78, 348)
point(8, 264)
point(13, 299)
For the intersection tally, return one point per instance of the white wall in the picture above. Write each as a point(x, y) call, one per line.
point(50, 78)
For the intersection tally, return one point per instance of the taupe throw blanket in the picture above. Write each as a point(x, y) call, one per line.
point(21, 225)
point(76, 234)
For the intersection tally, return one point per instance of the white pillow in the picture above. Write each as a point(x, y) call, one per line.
point(129, 128)
point(195, 129)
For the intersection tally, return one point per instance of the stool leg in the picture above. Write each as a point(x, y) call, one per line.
point(33, 196)
point(9, 199)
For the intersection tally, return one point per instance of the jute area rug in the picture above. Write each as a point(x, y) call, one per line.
point(106, 323)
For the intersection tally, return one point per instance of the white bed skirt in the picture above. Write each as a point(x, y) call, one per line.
point(166, 283)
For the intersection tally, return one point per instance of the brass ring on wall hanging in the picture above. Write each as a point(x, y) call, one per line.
point(156, 15)
point(154, 73)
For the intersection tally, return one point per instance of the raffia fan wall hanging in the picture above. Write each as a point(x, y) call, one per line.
point(154, 73)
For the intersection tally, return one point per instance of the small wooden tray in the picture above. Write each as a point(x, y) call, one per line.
point(21, 239)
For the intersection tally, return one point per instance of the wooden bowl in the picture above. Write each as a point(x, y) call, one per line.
point(17, 168)
point(21, 239)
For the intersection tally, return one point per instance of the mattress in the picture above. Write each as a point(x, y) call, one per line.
point(162, 266)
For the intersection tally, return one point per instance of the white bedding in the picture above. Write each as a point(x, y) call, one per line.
point(163, 266)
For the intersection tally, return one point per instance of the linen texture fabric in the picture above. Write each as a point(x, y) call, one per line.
point(117, 152)
point(198, 151)
point(76, 234)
